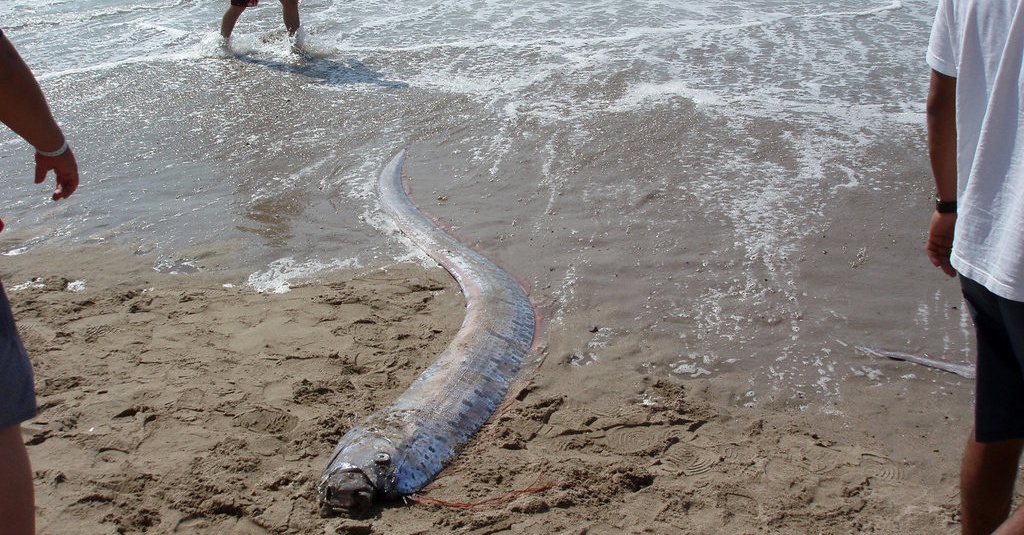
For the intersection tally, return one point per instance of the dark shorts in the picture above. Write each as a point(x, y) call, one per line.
point(999, 399)
point(244, 3)
point(17, 391)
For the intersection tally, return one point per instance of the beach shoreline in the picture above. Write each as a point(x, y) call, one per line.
point(191, 404)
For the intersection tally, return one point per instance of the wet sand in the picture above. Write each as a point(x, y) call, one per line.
point(176, 404)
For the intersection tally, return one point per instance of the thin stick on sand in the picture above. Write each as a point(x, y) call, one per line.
point(963, 369)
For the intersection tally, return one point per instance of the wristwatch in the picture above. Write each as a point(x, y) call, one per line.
point(945, 207)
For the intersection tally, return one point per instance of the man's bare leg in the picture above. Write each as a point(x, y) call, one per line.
point(227, 24)
point(290, 10)
point(1014, 525)
point(987, 477)
point(17, 496)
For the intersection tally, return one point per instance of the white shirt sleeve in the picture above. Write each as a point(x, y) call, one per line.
point(942, 49)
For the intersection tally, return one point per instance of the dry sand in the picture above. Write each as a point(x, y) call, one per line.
point(175, 404)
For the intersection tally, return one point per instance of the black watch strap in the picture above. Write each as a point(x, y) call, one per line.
point(945, 207)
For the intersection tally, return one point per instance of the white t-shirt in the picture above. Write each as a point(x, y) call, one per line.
point(981, 44)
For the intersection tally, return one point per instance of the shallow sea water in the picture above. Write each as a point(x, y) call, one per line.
point(686, 189)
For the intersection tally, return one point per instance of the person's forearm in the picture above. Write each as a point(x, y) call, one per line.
point(23, 108)
point(942, 134)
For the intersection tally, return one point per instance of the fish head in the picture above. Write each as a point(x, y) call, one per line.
point(360, 472)
point(347, 492)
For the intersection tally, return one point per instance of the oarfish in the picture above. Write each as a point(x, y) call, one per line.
point(963, 369)
point(398, 450)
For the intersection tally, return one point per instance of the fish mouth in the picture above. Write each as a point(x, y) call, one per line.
point(347, 492)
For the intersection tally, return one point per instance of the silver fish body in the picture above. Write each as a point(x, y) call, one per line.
point(397, 451)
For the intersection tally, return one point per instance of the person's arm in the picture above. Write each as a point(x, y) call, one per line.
point(941, 112)
point(24, 109)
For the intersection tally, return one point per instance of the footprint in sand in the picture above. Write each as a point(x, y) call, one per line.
point(637, 440)
point(690, 460)
point(881, 466)
point(267, 420)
